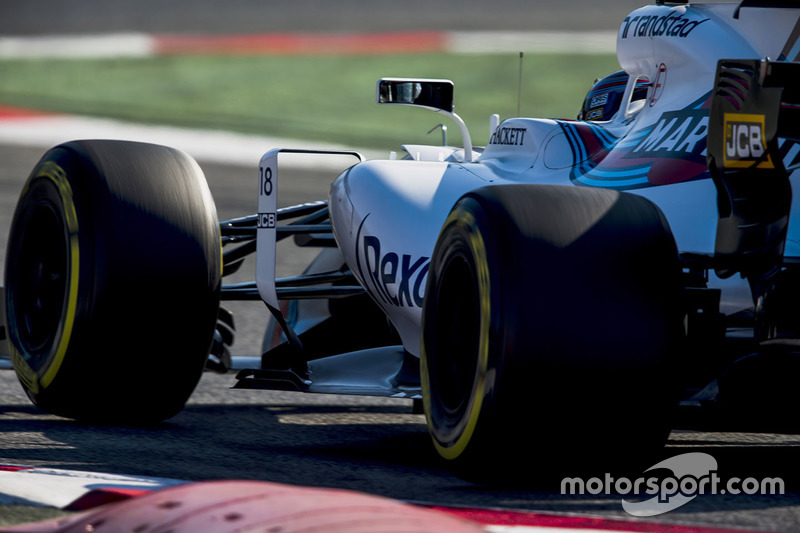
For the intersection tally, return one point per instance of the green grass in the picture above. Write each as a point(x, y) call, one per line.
point(313, 98)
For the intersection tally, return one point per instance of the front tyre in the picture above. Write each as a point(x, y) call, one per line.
point(549, 324)
point(112, 281)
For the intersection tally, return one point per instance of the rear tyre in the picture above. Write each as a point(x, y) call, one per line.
point(549, 323)
point(112, 281)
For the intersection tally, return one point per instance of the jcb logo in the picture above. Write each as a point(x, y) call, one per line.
point(744, 141)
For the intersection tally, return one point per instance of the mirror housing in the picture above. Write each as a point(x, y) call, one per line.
point(430, 94)
point(436, 95)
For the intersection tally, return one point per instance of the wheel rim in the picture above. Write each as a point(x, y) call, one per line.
point(455, 358)
point(41, 286)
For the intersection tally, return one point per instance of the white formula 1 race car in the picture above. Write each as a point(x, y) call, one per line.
point(558, 299)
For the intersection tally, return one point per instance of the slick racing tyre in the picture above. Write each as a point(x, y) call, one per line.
point(549, 324)
point(112, 281)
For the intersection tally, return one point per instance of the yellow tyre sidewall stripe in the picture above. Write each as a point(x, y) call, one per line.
point(452, 451)
point(38, 380)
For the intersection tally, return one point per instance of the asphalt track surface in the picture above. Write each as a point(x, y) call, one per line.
point(368, 444)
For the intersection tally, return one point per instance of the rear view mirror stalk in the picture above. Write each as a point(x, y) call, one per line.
point(436, 95)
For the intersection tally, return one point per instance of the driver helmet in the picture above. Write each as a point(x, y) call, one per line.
point(605, 97)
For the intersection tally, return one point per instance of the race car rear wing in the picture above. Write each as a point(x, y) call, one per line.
point(755, 108)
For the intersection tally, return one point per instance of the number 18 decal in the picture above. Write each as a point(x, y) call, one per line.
point(266, 181)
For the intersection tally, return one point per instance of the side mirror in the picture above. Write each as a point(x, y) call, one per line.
point(431, 94)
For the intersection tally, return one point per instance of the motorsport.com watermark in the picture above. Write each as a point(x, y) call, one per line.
point(693, 474)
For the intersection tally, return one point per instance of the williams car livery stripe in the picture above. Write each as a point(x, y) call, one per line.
point(671, 150)
point(590, 145)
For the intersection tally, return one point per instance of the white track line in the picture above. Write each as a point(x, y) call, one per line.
point(554, 42)
point(81, 46)
point(52, 487)
point(204, 145)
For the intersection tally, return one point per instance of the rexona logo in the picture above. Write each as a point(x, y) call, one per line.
point(677, 25)
point(396, 279)
point(744, 141)
point(676, 134)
